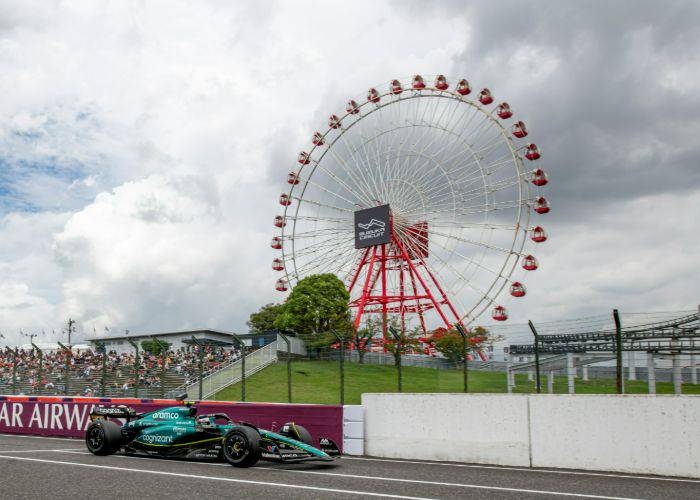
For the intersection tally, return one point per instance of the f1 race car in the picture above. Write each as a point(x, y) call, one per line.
point(179, 432)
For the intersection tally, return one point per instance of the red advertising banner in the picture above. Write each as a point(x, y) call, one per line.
point(69, 416)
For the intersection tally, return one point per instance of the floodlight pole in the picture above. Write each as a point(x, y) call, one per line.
point(137, 367)
point(68, 352)
point(537, 357)
point(465, 368)
point(163, 346)
point(14, 371)
point(618, 350)
point(241, 344)
point(40, 373)
point(289, 365)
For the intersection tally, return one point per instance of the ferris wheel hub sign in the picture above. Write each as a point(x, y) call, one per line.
point(372, 226)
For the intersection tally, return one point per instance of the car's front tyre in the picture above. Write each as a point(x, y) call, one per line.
point(103, 437)
point(242, 446)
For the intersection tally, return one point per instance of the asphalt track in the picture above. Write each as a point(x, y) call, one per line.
point(57, 468)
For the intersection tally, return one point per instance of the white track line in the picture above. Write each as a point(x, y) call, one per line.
point(67, 450)
point(523, 469)
point(214, 478)
point(438, 483)
point(40, 437)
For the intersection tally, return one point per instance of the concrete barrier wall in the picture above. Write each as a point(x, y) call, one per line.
point(69, 416)
point(631, 433)
point(479, 428)
point(635, 434)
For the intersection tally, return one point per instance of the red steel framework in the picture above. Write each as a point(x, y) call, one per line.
point(419, 291)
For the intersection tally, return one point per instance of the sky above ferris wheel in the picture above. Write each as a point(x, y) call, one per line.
point(143, 145)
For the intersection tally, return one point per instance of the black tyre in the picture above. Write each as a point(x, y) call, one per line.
point(302, 435)
point(103, 437)
point(242, 446)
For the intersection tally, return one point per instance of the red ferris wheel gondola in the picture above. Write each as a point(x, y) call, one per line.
point(277, 264)
point(539, 177)
point(532, 152)
point(418, 82)
point(281, 285)
point(541, 205)
point(334, 121)
point(293, 178)
point(373, 95)
point(517, 289)
point(499, 313)
point(538, 235)
point(441, 83)
point(485, 96)
point(396, 87)
point(276, 243)
point(352, 107)
point(463, 87)
point(503, 111)
point(530, 263)
point(279, 221)
point(318, 139)
point(285, 200)
point(304, 158)
point(519, 130)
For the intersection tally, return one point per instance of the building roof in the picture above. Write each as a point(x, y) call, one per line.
point(146, 336)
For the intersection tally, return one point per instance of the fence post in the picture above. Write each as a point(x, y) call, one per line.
point(397, 336)
point(537, 357)
point(14, 371)
point(618, 351)
point(137, 368)
point(651, 373)
point(465, 368)
point(40, 372)
point(241, 344)
point(68, 353)
point(570, 372)
point(289, 366)
point(677, 374)
point(550, 381)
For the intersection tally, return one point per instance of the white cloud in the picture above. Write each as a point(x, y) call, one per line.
point(152, 139)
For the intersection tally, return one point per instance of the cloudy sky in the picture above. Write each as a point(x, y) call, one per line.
point(143, 145)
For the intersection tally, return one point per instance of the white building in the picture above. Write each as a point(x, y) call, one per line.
point(177, 340)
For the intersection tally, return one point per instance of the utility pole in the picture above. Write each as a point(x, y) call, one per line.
point(71, 330)
point(537, 357)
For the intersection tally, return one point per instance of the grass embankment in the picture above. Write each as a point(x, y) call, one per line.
point(319, 382)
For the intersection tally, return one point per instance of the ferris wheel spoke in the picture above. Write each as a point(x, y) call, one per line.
point(324, 205)
point(447, 265)
point(318, 218)
point(475, 243)
point(355, 191)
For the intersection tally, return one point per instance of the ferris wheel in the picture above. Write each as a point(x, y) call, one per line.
point(419, 197)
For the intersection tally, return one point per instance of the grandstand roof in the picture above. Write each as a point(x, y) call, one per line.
point(144, 336)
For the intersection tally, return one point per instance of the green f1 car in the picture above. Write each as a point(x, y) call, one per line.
point(179, 432)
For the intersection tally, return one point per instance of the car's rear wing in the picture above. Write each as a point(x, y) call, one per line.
point(113, 411)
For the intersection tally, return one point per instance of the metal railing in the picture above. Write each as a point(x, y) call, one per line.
point(231, 373)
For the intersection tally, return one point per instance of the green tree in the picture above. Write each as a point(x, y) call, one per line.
point(449, 342)
point(407, 341)
point(153, 347)
point(264, 320)
point(360, 341)
point(317, 307)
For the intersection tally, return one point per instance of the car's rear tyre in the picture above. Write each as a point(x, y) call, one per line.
point(103, 437)
point(242, 446)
